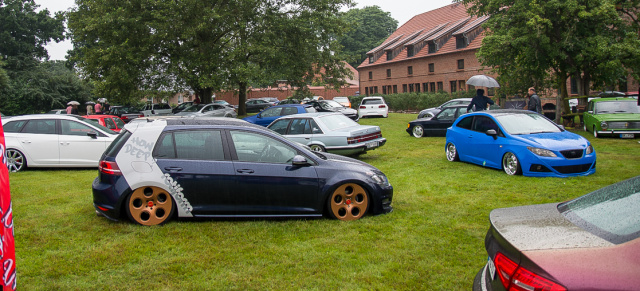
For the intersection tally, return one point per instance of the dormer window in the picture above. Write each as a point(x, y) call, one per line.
point(461, 42)
point(410, 52)
point(432, 48)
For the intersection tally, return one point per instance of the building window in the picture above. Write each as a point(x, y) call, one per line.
point(440, 86)
point(410, 70)
point(384, 90)
point(425, 87)
point(460, 42)
point(389, 56)
point(388, 73)
point(461, 64)
point(370, 75)
point(410, 87)
point(461, 85)
point(366, 91)
point(453, 86)
point(432, 48)
point(370, 59)
point(417, 87)
point(433, 86)
point(375, 90)
point(432, 67)
point(404, 88)
point(410, 51)
point(395, 89)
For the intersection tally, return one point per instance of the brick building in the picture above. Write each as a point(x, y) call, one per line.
point(434, 51)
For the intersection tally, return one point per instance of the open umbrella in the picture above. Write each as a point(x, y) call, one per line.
point(73, 103)
point(90, 103)
point(483, 81)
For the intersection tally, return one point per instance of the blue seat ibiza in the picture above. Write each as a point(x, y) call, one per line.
point(221, 167)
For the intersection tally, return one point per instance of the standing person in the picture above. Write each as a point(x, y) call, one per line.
point(69, 108)
point(89, 109)
point(197, 100)
point(534, 101)
point(479, 101)
point(106, 107)
point(74, 109)
point(98, 108)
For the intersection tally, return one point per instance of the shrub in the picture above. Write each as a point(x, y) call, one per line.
point(415, 101)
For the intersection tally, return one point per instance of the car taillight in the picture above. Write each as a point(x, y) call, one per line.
point(109, 168)
point(514, 277)
point(382, 106)
point(363, 107)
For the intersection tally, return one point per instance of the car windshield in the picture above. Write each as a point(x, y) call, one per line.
point(194, 108)
point(612, 213)
point(329, 104)
point(617, 107)
point(96, 124)
point(526, 123)
point(130, 109)
point(337, 121)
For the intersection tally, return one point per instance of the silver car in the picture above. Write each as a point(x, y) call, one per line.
point(209, 110)
point(431, 112)
point(330, 132)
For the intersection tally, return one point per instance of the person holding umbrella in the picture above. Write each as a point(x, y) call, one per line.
point(72, 107)
point(479, 101)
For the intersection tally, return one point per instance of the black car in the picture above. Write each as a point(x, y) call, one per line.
point(181, 106)
point(290, 101)
point(257, 105)
point(333, 106)
point(213, 167)
point(126, 113)
point(437, 125)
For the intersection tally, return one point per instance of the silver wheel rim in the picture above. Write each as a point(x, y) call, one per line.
point(510, 163)
point(418, 131)
point(451, 152)
point(15, 160)
point(595, 133)
point(317, 148)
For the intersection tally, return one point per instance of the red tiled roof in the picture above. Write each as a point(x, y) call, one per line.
point(471, 26)
point(436, 23)
point(403, 41)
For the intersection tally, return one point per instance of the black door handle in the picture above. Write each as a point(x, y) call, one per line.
point(245, 171)
point(173, 169)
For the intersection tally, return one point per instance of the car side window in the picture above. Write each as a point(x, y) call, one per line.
point(447, 114)
point(40, 126)
point(466, 122)
point(315, 129)
point(280, 126)
point(109, 123)
point(14, 126)
point(289, 110)
point(483, 123)
point(271, 112)
point(299, 126)
point(253, 147)
point(75, 128)
point(191, 145)
point(119, 122)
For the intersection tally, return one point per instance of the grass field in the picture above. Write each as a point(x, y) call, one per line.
point(433, 240)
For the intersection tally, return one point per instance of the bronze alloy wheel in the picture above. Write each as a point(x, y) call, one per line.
point(150, 206)
point(349, 202)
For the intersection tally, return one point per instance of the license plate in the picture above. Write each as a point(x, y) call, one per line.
point(372, 144)
point(492, 268)
point(627, 135)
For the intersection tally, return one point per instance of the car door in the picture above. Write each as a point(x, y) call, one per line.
point(485, 149)
point(267, 116)
point(438, 125)
point(79, 149)
point(267, 182)
point(39, 142)
point(198, 162)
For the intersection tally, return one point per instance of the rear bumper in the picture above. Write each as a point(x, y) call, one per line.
point(357, 148)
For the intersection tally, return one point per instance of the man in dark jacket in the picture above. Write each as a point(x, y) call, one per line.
point(534, 101)
point(479, 101)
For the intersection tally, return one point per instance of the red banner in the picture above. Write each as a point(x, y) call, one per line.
point(7, 249)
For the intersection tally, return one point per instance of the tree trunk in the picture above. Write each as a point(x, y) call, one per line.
point(242, 98)
point(205, 95)
point(560, 99)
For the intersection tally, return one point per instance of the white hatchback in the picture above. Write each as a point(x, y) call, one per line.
point(54, 140)
point(373, 106)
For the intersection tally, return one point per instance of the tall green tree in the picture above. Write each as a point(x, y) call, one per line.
point(203, 45)
point(368, 28)
point(23, 36)
point(543, 43)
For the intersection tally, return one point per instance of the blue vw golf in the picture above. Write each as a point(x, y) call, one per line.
point(272, 113)
point(519, 142)
point(222, 167)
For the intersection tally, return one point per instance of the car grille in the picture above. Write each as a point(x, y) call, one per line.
point(573, 169)
point(363, 138)
point(572, 154)
point(624, 125)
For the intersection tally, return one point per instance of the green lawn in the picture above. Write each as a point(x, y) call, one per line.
point(433, 240)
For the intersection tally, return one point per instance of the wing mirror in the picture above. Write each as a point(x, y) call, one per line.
point(299, 161)
point(493, 133)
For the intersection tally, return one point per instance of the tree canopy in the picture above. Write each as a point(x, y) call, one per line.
point(368, 28)
point(543, 43)
point(133, 46)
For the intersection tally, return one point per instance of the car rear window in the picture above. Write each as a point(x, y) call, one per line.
point(117, 143)
point(612, 213)
point(372, 101)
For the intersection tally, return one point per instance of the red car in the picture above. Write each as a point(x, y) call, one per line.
point(109, 121)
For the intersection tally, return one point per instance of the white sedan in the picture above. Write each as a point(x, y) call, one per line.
point(48, 140)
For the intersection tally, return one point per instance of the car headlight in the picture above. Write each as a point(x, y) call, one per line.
point(379, 178)
point(542, 152)
point(604, 125)
point(589, 149)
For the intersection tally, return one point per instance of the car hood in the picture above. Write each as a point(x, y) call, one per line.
point(555, 140)
point(345, 110)
point(348, 162)
point(538, 227)
point(618, 117)
point(428, 109)
point(422, 119)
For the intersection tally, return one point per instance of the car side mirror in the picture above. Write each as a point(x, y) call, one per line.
point(153, 111)
point(493, 133)
point(300, 161)
point(92, 134)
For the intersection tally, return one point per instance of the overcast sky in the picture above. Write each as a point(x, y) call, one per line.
point(401, 10)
